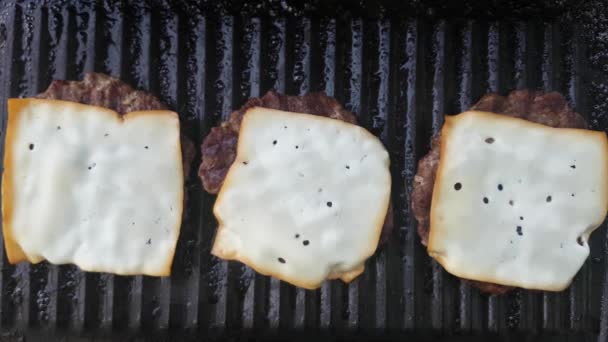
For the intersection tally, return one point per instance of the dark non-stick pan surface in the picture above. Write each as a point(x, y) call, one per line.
point(399, 65)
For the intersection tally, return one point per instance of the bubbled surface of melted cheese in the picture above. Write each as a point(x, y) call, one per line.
point(305, 199)
point(514, 202)
point(83, 185)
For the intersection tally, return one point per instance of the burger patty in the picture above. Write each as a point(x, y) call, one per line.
point(549, 109)
point(105, 91)
point(218, 150)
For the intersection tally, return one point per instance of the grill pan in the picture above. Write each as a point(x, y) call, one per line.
point(400, 67)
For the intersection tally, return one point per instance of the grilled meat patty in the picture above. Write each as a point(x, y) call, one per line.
point(549, 109)
point(106, 91)
point(219, 147)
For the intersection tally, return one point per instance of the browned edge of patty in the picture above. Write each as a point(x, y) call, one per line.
point(102, 90)
point(218, 150)
point(549, 109)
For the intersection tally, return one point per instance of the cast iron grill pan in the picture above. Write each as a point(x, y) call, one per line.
point(399, 72)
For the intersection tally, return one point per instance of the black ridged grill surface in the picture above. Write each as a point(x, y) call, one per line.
point(399, 74)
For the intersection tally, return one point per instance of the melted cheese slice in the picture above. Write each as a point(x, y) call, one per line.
point(83, 185)
point(514, 202)
point(305, 199)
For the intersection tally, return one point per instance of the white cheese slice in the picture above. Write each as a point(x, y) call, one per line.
point(514, 202)
point(305, 199)
point(83, 185)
